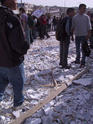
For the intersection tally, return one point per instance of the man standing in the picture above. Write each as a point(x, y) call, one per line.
point(24, 21)
point(81, 25)
point(12, 49)
point(54, 23)
point(65, 37)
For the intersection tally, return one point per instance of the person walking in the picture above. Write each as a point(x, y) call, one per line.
point(13, 46)
point(81, 25)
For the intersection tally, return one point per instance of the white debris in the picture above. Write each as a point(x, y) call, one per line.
point(9, 91)
point(47, 108)
point(2, 120)
point(61, 78)
point(17, 113)
point(70, 106)
point(35, 121)
point(70, 76)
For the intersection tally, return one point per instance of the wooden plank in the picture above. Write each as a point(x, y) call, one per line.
point(77, 76)
point(52, 94)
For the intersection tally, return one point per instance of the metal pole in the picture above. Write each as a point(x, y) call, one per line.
point(21, 3)
point(64, 7)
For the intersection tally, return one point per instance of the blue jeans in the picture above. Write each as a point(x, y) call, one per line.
point(79, 42)
point(15, 76)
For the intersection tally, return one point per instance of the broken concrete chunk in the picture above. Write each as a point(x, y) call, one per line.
point(84, 81)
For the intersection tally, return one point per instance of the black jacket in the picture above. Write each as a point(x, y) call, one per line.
point(12, 40)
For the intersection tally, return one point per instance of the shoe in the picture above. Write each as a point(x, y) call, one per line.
point(48, 37)
point(1, 99)
point(66, 67)
point(60, 64)
point(91, 46)
point(41, 38)
point(77, 62)
point(82, 65)
point(23, 106)
point(18, 104)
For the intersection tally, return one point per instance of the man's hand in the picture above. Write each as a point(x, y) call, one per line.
point(89, 34)
point(87, 37)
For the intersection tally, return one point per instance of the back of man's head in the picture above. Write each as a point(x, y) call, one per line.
point(70, 10)
point(2, 1)
point(82, 5)
point(22, 10)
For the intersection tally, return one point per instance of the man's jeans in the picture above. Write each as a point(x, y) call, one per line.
point(79, 42)
point(15, 76)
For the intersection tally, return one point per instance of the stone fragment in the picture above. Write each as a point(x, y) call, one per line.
point(47, 109)
point(72, 122)
point(47, 120)
point(36, 121)
point(84, 81)
point(39, 114)
point(33, 121)
point(2, 120)
point(9, 91)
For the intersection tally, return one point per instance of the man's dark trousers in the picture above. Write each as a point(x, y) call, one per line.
point(64, 47)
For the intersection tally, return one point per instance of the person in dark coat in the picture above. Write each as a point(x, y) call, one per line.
point(65, 41)
point(13, 46)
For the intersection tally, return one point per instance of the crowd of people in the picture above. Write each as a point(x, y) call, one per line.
point(37, 27)
point(17, 32)
point(80, 26)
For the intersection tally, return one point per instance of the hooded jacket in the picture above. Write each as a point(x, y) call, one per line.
point(12, 40)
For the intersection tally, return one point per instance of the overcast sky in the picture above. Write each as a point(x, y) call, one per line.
point(67, 3)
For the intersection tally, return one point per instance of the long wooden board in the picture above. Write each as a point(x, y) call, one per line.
point(29, 113)
point(52, 94)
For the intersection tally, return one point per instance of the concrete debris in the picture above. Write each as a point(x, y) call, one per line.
point(73, 106)
point(84, 81)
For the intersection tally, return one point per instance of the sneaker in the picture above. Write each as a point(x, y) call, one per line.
point(1, 99)
point(66, 67)
point(77, 62)
point(82, 65)
point(48, 36)
point(91, 46)
point(23, 106)
point(18, 104)
point(60, 64)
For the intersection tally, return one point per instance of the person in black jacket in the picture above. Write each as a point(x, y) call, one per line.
point(65, 40)
point(13, 46)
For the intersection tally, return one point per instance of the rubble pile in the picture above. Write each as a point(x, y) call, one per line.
point(41, 68)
